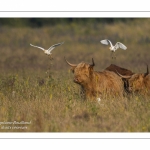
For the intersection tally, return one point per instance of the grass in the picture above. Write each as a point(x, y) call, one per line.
point(37, 89)
point(55, 106)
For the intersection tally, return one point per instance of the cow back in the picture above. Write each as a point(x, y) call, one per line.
point(121, 70)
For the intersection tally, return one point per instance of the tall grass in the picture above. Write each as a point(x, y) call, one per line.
point(40, 91)
point(53, 105)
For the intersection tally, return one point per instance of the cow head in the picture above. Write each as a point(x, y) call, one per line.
point(135, 81)
point(82, 72)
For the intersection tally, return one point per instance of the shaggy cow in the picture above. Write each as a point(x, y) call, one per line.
point(121, 71)
point(138, 82)
point(96, 84)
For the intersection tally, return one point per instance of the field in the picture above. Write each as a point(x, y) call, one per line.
point(40, 94)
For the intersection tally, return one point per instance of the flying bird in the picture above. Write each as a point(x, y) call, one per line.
point(48, 51)
point(113, 48)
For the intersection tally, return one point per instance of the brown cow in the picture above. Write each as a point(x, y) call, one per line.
point(96, 84)
point(121, 71)
point(138, 82)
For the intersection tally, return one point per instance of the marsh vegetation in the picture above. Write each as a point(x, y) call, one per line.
point(37, 89)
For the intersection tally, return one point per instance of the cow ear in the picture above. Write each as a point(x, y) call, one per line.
point(91, 68)
point(72, 69)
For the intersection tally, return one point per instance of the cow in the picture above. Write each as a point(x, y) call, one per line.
point(96, 84)
point(138, 82)
point(121, 71)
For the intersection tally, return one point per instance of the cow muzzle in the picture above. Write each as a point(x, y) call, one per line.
point(76, 80)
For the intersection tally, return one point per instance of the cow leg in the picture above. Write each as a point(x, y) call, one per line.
point(89, 95)
point(82, 93)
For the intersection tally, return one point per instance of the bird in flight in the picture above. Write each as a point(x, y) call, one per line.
point(113, 48)
point(48, 51)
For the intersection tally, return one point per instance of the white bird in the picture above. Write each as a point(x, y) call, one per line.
point(48, 51)
point(98, 99)
point(113, 48)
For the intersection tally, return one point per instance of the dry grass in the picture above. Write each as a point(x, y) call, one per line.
point(33, 88)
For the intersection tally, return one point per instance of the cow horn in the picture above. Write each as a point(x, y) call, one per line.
point(93, 64)
point(72, 65)
point(123, 76)
point(147, 71)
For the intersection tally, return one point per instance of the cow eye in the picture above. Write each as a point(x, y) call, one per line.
point(86, 75)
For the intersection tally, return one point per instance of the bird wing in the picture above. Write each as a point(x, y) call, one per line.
point(106, 42)
point(120, 45)
point(53, 46)
point(38, 47)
